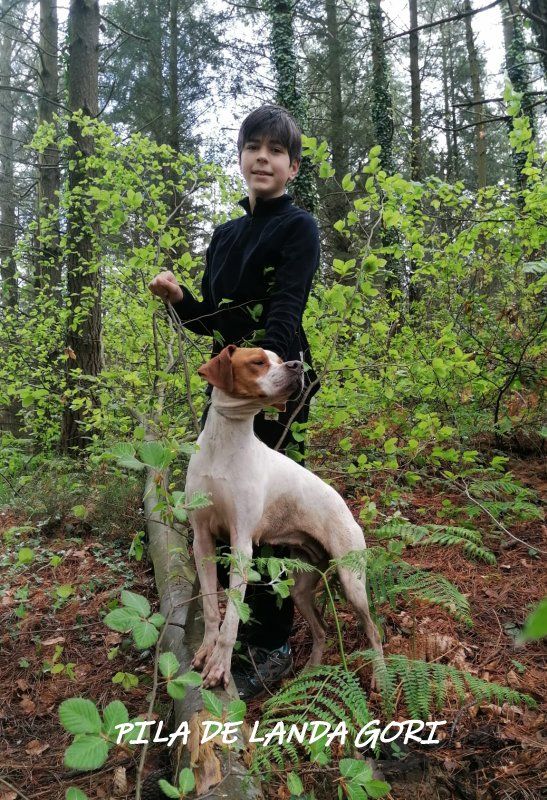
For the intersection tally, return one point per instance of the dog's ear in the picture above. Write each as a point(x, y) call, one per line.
point(218, 371)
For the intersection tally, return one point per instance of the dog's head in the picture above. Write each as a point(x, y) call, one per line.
point(254, 373)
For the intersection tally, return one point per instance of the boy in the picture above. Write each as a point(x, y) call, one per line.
point(262, 264)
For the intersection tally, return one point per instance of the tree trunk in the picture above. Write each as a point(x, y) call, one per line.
point(382, 107)
point(478, 98)
point(517, 70)
point(538, 15)
point(415, 96)
point(382, 120)
point(49, 262)
point(154, 66)
point(286, 69)
point(446, 107)
point(335, 80)
point(83, 280)
point(173, 76)
point(8, 221)
point(454, 131)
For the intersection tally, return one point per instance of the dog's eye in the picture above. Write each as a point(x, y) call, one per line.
point(259, 363)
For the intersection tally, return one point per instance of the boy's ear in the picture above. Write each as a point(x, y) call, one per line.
point(293, 169)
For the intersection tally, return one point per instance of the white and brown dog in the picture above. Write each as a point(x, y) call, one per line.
point(261, 496)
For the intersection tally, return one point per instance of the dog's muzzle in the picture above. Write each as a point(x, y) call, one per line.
point(296, 376)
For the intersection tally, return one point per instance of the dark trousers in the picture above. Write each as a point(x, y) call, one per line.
point(269, 626)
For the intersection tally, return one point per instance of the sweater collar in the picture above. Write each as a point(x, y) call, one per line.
point(265, 208)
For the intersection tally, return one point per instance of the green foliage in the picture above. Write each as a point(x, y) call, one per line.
point(186, 784)
point(535, 626)
point(389, 577)
point(176, 684)
point(425, 685)
point(326, 693)
point(125, 201)
point(93, 737)
point(359, 782)
point(332, 694)
point(52, 488)
point(134, 615)
point(409, 533)
point(73, 793)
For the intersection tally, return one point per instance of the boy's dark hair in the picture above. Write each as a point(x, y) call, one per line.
point(272, 122)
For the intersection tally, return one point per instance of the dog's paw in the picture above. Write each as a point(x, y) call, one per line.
point(216, 671)
point(203, 654)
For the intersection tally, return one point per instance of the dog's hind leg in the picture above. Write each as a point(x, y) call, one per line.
point(303, 595)
point(355, 591)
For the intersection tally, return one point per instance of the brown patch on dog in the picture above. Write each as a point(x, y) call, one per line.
point(236, 370)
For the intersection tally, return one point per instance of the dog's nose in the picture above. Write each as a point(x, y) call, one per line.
point(296, 366)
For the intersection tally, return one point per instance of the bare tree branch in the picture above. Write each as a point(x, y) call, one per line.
point(453, 18)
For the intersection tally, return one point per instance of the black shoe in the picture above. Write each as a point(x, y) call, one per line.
point(263, 670)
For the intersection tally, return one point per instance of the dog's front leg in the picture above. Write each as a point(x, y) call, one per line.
point(204, 547)
point(217, 667)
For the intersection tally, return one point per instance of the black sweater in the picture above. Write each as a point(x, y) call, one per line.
point(257, 279)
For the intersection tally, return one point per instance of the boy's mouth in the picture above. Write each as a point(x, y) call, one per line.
point(265, 174)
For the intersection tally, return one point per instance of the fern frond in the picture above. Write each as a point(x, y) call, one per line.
point(425, 685)
point(499, 486)
point(326, 693)
point(332, 694)
point(389, 577)
point(410, 534)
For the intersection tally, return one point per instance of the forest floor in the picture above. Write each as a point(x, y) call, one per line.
point(489, 752)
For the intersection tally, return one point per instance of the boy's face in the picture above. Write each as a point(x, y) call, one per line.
point(266, 167)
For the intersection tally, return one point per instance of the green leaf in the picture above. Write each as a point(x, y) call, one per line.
point(157, 620)
point(136, 602)
point(376, 788)
point(169, 664)
point(79, 715)
point(186, 780)
point(73, 793)
point(125, 455)
point(355, 770)
point(535, 626)
point(294, 784)
point(25, 555)
point(348, 185)
point(155, 454)
point(64, 590)
point(122, 619)
point(114, 714)
point(168, 789)
point(212, 703)
point(86, 752)
point(236, 711)
point(79, 511)
point(355, 792)
point(176, 689)
point(144, 634)
point(243, 609)
point(191, 678)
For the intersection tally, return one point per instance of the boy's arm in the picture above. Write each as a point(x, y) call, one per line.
point(198, 316)
point(299, 261)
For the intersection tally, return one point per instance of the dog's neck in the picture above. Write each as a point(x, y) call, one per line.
point(235, 409)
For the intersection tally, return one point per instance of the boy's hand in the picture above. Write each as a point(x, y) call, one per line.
point(166, 287)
